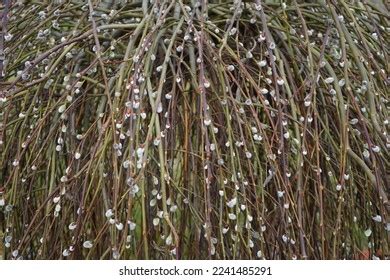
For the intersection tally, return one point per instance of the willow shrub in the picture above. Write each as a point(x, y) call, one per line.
point(195, 130)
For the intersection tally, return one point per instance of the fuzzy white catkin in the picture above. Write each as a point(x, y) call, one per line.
point(87, 244)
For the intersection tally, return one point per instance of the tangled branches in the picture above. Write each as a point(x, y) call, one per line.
point(195, 129)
